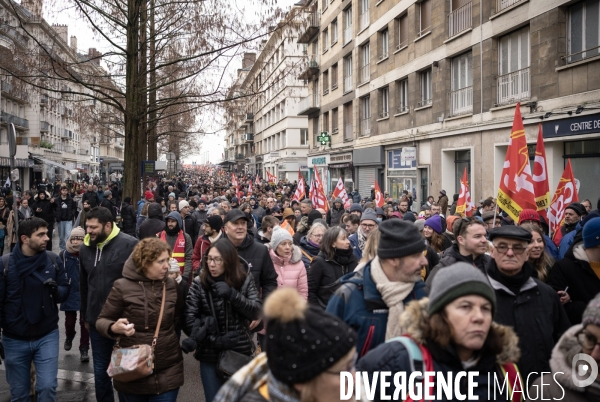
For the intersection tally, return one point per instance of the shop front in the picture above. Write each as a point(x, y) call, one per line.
point(370, 166)
point(289, 170)
point(401, 171)
point(24, 166)
point(321, 163)
point(341, 166)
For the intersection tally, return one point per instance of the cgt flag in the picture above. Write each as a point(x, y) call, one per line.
point(540, 177)
point(566, 193)
point(300, 192)
point(320, 198)
point(516, 191)
point(464, 205)
point(340, 191)
point(379, 201)
point(271, 178)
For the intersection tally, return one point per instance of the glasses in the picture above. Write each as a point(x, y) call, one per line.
point(351, 366)
point(367, 226)
point(503, 248)
point(587, 340)
point(215, 260)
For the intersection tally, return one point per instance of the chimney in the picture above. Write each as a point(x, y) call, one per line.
point(248, 60)
point(74, 43)
point(94, 55)
point(62, 31)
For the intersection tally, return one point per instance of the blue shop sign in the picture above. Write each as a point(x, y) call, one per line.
point(589, 124)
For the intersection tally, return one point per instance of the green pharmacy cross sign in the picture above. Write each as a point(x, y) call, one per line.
point(324, 138)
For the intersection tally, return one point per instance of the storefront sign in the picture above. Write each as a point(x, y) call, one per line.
point(23, 163)
point(370, 156)
point(324, 138)
point(341, 158)
point(409, 154)
point(395, 160)
point(320, 160)
point(589, 124)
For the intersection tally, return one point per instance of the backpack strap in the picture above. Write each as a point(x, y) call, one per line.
point(308, 256)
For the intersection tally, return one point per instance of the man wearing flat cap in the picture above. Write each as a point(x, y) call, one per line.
point(525, 303)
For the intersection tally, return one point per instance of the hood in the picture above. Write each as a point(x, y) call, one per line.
point(130, 272)
point(177, 217)
point(415, 316)
point(295, 258)
point(112, 235)
point(579, 252)
point(155, 211)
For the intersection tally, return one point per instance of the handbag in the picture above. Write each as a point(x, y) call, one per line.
point(135, 362)
point(229, 361)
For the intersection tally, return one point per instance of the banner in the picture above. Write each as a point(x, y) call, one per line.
point(300, 192)
point(320, 197)
point(516, 191)
point(565, 194)
point(340, 192)
point(464, 205)
point(379, 201)
point(271, 178)
point(540, 176)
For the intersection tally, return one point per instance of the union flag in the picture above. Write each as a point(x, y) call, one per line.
point(566, 193)
point(379, 201)
point(464, 205)
point(540, 176)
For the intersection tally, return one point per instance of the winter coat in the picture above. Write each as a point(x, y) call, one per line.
point(138, 299)
point(71, 267)
point(239, 312)
point(575, 272)
point(334, 215)
point(260, 264)
point(128, 218)
point(360, 305)
point(559, 385)
point(301, 230)
point(356, 198)
point(140, 206)
point(92, 198)
point(200, 218)
point(393, 357)
point(108, 204)
point(309, 252)
point(65, 209)
point(537, 317)
point(324, 275)
point(567, 240)
point(13, 321)
point(189, 225)
point(290, 271)
point(47, 209)
point(443, 201)
point(451, 256)
point(154, 224)
point(358, 253)
point(99, 267)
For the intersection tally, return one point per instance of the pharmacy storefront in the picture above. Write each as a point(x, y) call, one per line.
point(401, 167)
point(321, 163)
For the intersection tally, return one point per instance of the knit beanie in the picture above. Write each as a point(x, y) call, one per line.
point(148, 195)
point(79, 233)
point(591, 314)
point(409, 216)
point(355, 207)
point(107, 193)
point(419, 224)
point(172, 195)
point(369, 215)
point(577, 207)
point(399, 238)
point(312, 215)
point(591, 233)
point(302, 340)
point(279, 235)
point(450, 222)
point(528, 214)
point(458, 280)
point(215, 222)
point(435, 222)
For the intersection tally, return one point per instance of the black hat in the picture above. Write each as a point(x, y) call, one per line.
point(578, 208)
point(312, 215)
point(510, 232)
point(399, 238)
point(235, 215)
point(409, 216)
point(215, 222)
point(303, 340)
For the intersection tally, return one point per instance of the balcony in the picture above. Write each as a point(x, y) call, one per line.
point(66, 112)
point(311, 68)
point(513, 87)
point(14, 93)
point(65, 134)
point(364, 74)
point(347, 35)
point(364, 20)
point(44, 126)
point(459, 20)
point(19, 122)
point(70, 149)
point(249, 117)
point(240, 157)
point(309, 105)
point(348, 133)
point(310, 27)
point(461, 101)
point(365, 127)
point(503, 4)
point(249, 137)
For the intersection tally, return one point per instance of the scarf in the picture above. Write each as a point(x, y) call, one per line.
point(32, 300)
point(362, 239)
point(514, 282)
point(215, 237)
point(25, 212)
point(393, 294)
point(344, 256)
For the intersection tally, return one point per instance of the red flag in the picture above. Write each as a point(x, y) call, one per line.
point(319, 194)
point(379, 201)
point(234, 181)
point(300, 192)
point(271, 178)
point(540, 177)
point(464, 205)
point(312, 194)
point(566, 193)
point(516, 191)
point(340, 192)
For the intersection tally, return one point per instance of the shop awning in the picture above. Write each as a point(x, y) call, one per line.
point(49, 162)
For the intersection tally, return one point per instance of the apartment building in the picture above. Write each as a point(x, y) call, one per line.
point(412, 92)
point(53, 140)
point(265, 132)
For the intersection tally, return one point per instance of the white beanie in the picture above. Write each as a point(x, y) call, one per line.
point(278, 236)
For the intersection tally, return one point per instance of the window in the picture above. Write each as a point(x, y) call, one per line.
point(462, 160)
point(347, 25)
point(334, 120)
point(365, 115)
point(402, 30)
point(348, 73)
point(384, 102)
point(325, 82)
point(583, 30)
point(384, 40)
point(303, 136)
point(283, 139)
point(334, 76)
point(425, 88)
point(425, 17)
point(364, 14)
point(348, 130)
point(461, 97)
point(325, 122)
point(334, 32)
point(365, 58)
point(513, 67)
point(325, 40)
point(402, 86)
point(460, 17)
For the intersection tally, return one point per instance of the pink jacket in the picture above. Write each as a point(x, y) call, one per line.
point(291, 271)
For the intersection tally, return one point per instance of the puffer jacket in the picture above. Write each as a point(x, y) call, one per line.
point(234, 314)
point(290, 271)
point(394, 357)
point(559, 386)
point(154, 224)
point(324, 274)
point(71, 266)
point(138, 299)
point(47, 209)
point(309, 252)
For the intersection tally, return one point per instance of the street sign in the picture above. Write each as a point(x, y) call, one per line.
point(324, 138)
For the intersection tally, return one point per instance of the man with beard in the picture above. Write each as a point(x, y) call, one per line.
point(45, 208)
point(211, 232)
point(32, 282)
point(101, 256)
point(358, 240)
point(573, 215)
point(180, 242)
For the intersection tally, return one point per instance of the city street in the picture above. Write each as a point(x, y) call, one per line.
point(76, 379)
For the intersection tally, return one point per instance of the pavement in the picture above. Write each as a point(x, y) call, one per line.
point(76, 379)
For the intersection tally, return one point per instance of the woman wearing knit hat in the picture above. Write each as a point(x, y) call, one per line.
point(306, 351)
point(287, 260)
point(581, 341)
point(70, 259)
point(455, 329)
point(432, 231)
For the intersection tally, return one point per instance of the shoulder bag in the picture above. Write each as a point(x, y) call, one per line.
point(130, 364)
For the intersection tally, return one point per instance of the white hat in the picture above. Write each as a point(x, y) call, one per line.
point(183, 204)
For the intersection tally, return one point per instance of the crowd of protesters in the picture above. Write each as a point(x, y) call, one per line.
point(243, 275)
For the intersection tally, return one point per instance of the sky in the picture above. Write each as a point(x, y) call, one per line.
point(62, 12)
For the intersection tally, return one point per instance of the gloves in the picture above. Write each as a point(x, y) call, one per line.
point(223, 290)
point(51, 283)
point(188, 345)
point(227, 341)
point(211, 326)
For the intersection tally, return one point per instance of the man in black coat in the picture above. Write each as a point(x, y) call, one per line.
point(45, 208)
point(154, 224)
point(525, 303)
point(91, 196)
point(65, 212)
